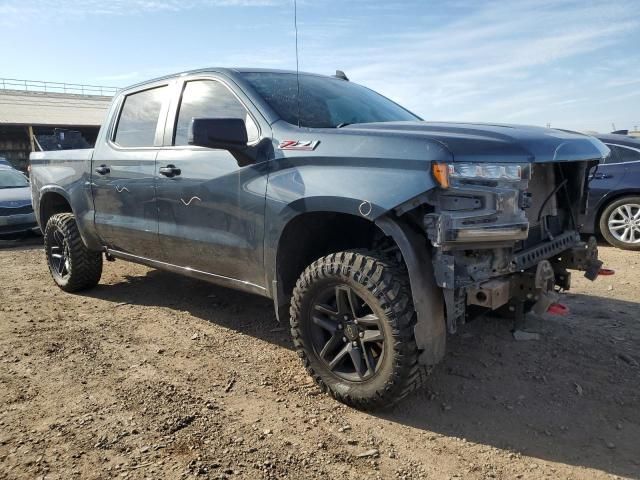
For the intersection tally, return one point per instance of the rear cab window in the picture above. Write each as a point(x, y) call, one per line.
point(139, 116)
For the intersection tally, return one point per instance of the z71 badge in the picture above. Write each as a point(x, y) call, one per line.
point(298, 144)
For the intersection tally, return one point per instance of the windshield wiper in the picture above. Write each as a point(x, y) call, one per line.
point(344, 124)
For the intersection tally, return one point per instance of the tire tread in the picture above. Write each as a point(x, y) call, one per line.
point(86, 265)
point(387, 279)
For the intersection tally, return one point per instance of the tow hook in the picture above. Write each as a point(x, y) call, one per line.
point(606, 272)
point(592, 266)
point(558, 309)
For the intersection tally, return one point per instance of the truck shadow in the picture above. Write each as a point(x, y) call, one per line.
point(21, 242)
point(243, 312)
point(571, 397)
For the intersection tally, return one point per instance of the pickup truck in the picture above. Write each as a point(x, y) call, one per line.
point(375, 233)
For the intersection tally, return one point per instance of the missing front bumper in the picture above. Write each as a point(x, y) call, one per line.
point(531, 276)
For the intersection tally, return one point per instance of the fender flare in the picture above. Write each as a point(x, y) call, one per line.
point(85, 222)
point(46, 190)
point(430, 329)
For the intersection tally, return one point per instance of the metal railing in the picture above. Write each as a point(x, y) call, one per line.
point(56, 87)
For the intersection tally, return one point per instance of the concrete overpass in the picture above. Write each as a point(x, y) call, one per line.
point(32, 110)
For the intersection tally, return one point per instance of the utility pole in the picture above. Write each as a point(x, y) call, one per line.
point(31, 142)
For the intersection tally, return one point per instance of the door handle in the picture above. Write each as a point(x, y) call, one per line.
point(103, 170)
point(170, 171)
point(602, 176)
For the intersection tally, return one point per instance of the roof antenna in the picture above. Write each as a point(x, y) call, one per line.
point(340, 74)
point(295, 24)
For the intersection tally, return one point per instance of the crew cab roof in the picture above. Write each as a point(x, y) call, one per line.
point(227, 70)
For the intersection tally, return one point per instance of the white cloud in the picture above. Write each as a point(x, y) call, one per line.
point(531, 61)
point(497, 61)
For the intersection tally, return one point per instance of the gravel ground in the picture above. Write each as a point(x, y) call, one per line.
point(151, 375)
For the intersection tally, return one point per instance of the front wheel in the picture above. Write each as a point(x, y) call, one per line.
point(620, 223)
point(352, 322)
point(72, 266)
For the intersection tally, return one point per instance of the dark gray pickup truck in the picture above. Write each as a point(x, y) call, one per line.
point(376, 233)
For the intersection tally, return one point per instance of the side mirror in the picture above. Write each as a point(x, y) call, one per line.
point(224, 133)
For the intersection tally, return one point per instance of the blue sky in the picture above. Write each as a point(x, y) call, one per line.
point(573, 64)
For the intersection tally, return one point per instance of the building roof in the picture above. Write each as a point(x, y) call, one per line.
point(54, 109)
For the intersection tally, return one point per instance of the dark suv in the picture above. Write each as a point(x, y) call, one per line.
point(613, 207)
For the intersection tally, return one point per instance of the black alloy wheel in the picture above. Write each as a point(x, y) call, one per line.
point(346, 333)
point(58, 253)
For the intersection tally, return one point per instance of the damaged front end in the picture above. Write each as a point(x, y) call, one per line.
point(505, 235)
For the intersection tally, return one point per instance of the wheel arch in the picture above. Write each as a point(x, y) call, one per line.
point(428, 301)
point(304, 240)
point(309, 236)
point(52, 201)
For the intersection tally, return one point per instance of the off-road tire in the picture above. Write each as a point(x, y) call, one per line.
point(604, 226)
point(83, 267)
point(383, 283)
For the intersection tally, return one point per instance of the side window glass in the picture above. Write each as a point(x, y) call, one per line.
point(209, 99)
point(139, 118)
point(623, 154)
point(628, 155)
point(613, 156)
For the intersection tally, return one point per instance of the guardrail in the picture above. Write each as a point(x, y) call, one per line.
point(56, 87)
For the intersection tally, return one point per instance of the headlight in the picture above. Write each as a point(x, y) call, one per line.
point(444, 173)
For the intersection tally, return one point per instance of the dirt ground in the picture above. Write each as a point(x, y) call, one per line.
point(151, 375)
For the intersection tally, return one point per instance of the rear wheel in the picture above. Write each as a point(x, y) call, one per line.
point(72, 266)
point(620, 223)
point(352, 321)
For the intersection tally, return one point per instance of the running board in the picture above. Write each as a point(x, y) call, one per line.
point(191, 272)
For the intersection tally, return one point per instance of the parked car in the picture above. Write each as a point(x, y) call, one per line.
point(360, 220)
point(613, 207)
point(16, 212)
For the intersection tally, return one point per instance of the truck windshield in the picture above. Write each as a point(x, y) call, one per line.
point(12, 179)
point(325, 102)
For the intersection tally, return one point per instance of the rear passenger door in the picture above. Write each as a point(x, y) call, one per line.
point(629, 158)
point(211, 211)
point(123, 172)
point(608, 176)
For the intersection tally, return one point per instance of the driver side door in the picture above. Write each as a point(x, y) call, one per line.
point(211, 210)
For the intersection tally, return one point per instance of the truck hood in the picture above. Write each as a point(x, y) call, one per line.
point(478, 142)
